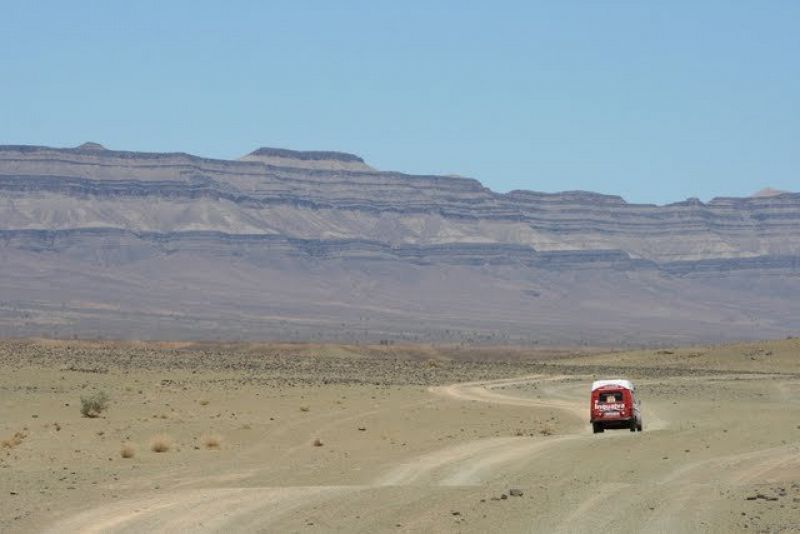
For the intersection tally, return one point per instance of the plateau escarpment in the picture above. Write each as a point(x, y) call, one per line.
point(320, 241)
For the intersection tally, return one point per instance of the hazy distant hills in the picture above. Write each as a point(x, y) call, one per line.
point(319, 245)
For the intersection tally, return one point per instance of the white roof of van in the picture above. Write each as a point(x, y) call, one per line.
point(621, 382)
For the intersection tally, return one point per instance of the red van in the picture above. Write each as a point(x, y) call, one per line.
point(614, 405)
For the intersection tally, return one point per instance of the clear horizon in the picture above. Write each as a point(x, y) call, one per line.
point(652, 103)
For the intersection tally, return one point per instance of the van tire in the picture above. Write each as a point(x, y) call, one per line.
point(639, 426)
point(634, 426)
point(597, 428)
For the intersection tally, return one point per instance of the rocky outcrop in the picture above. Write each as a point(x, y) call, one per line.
point(768, 192)
point(314, 160)
point(278, 209)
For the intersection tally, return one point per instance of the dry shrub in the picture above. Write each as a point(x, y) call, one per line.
point(160, 443)
point(127, 451)
point(305, 408)
point(317, 442)
point(203, 402)
point(95, 404)
point(546, 430)
point(13, 441)
point(212, 441)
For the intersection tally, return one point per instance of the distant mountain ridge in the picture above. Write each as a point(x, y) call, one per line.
point(291, 216)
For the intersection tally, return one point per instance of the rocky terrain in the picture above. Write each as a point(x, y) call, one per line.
point(209, 437)
point(320, 246)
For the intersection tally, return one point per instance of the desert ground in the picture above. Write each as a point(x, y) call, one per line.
point(334, 438)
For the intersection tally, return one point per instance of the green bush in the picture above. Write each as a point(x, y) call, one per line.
point(94, 404)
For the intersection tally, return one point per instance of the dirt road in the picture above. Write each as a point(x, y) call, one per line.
point(715, 453)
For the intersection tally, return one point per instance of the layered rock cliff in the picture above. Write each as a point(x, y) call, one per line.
point(293, 217)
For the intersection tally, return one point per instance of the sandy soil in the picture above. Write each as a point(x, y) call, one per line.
point(347, 439)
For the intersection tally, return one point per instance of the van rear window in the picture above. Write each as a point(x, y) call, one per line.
point(608, 397)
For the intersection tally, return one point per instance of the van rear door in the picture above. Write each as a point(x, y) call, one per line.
point(610, 403)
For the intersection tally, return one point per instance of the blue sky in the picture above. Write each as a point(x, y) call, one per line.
point(654, 101)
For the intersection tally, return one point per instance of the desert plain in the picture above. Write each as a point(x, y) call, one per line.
point(208, 437)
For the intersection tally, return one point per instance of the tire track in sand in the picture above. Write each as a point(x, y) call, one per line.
point(220, 509)
point(198, 510)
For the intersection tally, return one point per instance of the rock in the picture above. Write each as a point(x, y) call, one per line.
point(516, 492)
point(89, 146)
point(309, 160)
point(504, 496)
point(765, 497)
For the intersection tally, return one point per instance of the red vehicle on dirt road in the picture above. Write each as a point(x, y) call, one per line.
point(614, 405)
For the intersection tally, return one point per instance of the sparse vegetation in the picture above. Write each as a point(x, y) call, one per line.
point(305, 408)
point(95, 404)
point(212, 441)
point(161, 443)
point(13, 441)
point(389, 431)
